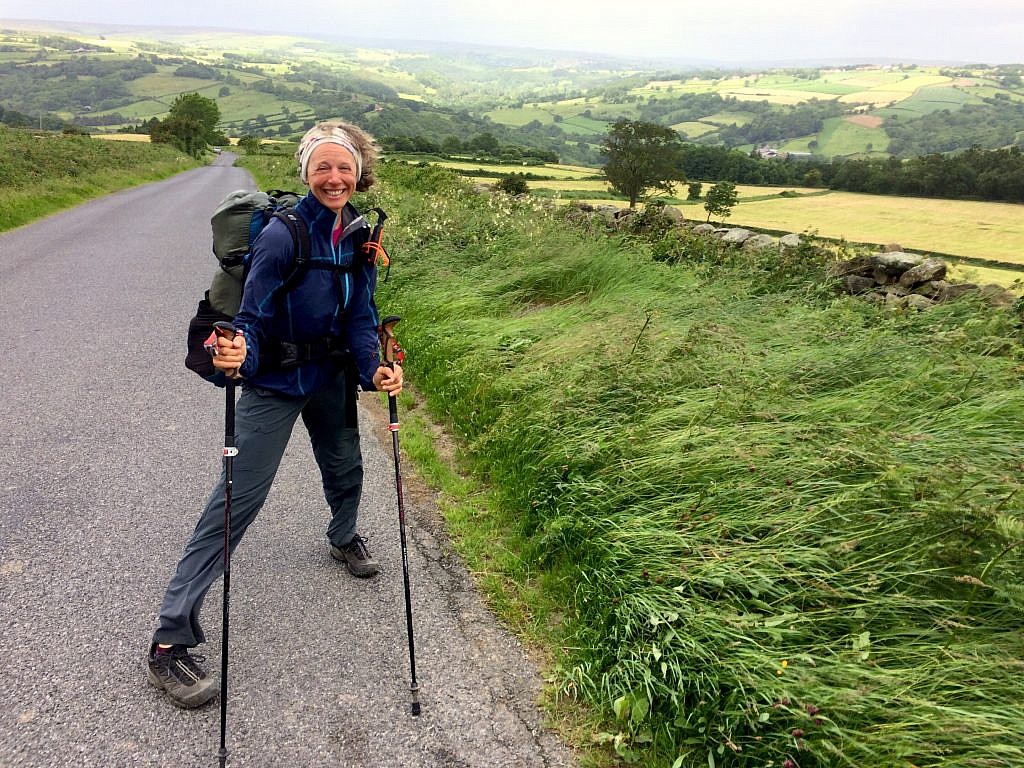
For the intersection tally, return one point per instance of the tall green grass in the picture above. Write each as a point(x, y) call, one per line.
point(43, 172)
point(784, 527)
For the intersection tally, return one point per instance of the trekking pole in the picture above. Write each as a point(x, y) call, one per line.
point(230, 451)
point(392, 353)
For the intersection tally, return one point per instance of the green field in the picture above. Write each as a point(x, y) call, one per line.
point(931, 99)
point(729, 118)
point(694, 130)
point(165, 86)
point(142, 110)
point(579, 124)
point(840, 137)
point(240, 105)
point(521, 116)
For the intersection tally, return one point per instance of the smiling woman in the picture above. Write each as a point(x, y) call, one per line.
point(304, 355)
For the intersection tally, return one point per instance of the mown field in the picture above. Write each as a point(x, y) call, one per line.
point(975, 230)
point(960, 227)
point(748, 523)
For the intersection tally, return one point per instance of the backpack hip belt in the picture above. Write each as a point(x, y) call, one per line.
point(287, 354)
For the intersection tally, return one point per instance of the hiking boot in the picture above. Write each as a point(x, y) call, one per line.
point(179, 673)
point(356, 557)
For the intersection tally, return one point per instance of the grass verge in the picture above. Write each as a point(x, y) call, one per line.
point(753, 523)
point(42, 173)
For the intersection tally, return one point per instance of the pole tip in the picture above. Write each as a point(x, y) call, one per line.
point(415, 708)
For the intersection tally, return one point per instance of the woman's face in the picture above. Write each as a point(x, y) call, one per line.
point(332, 175)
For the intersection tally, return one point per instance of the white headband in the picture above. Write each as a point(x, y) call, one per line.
point(337, 136)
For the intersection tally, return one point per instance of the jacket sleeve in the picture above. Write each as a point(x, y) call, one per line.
point(271, 254)
point(361, 325)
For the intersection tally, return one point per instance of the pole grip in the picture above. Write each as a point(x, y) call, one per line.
point(393, 412)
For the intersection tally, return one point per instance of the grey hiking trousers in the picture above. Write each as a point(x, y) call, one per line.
point(263, 426)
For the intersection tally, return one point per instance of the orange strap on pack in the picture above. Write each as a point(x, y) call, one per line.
point(372, 249)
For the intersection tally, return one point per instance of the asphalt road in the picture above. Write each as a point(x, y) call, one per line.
point(109, 447)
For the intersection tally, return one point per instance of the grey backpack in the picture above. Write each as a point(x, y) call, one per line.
point(236, 222)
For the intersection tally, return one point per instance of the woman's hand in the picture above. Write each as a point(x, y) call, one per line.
point(388, 380)
point(229, 355)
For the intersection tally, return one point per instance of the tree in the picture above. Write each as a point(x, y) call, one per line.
point(191, 124)
point(184, 133)
point(642, 156)
point(250, 144)
point(720, 199)
point(484, 142)
point(693, 190)
point(199, 108)
point(813, 178)
point(514, 184)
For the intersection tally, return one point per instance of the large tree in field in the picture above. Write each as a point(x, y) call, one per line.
point(642, 156)
point(191, 124)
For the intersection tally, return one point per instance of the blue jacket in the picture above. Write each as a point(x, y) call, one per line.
point(324, 303)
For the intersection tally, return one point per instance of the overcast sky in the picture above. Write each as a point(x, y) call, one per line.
point(724, 31)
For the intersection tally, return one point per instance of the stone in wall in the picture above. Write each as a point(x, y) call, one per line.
point(927, 270)
point(856, 284)
point(737, 236)
point(760, 242)
point(890, 266)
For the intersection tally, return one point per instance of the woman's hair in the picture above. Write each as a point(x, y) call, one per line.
point(347, 135)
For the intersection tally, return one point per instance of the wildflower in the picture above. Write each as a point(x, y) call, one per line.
point(787, 763)
point(796, 733)
point(812, 710)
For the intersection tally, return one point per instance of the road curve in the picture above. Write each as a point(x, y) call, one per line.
point(109, 447)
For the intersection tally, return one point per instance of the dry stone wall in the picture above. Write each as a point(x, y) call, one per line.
point(892, 276)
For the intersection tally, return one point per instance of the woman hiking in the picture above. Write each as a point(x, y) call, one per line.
point(325, 329)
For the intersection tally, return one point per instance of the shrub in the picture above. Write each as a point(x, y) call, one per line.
point(513, 184)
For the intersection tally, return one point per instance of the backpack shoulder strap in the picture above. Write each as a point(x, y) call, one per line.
point(300, 247)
